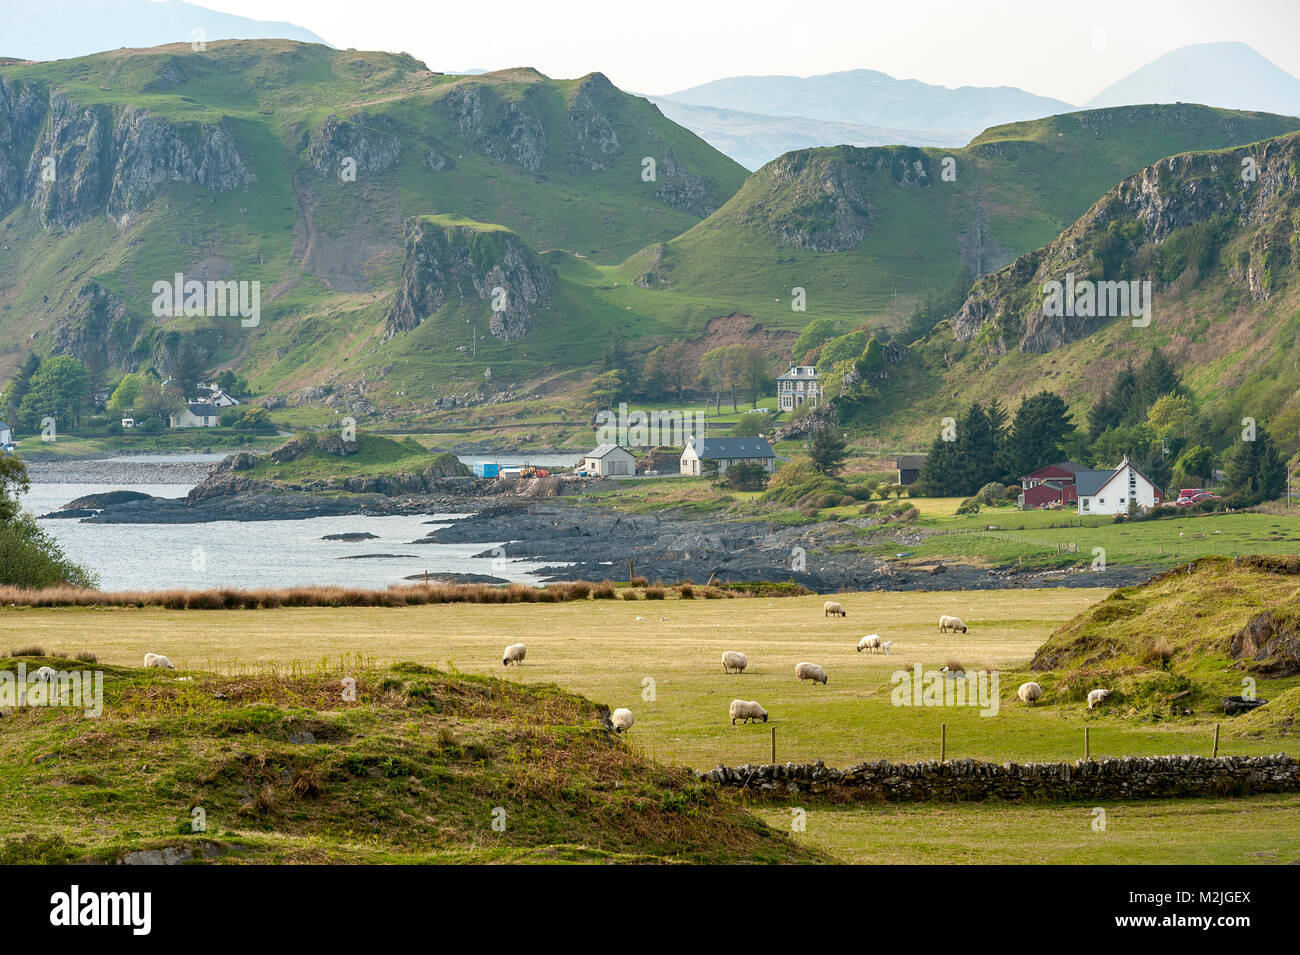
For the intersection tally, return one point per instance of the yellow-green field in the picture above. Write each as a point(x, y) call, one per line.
point(1258, 830)
point(662, 660)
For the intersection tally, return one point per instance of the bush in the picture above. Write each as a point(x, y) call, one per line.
point(687, 592)
point(991, 494)
point(655, 593)
point(603, 591)
point(29, 557)
point(746, 476)
point(969, 506)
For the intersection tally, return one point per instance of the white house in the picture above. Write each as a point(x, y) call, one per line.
point(223, 399)
point(1114, 491)
point(801, 383)
point(726, 451)
point(196, 414)
point(6, 435)
point(608, 460)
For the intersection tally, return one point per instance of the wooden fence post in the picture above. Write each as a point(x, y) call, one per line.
point(1216, 739)
point(773, 745)
point(1087, 744)
point(943, 742)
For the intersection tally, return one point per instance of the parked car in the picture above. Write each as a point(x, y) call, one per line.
point(1193, 495)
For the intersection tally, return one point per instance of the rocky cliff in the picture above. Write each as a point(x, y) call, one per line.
point(448, 259)
point(820, 198)
point(73, 162)
point(1230, 215)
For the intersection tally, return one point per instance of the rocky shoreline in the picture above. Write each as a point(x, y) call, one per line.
point(594, 543)
point(118, 472)
point(573, 540)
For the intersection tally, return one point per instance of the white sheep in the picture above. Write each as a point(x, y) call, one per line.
point(47, 675)
point(950, 623)
point(621, 719)
point(514, 654)
point(746, 710)
point(809, 671)
point(1029, 692)
point(158, 660)
point(833, 609)
point(886, 645)
point(1096, 696)
point(870, 642)
point(734, 660)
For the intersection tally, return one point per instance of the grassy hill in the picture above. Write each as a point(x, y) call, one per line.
point(295, 165)
point(1180, 640)
point(414, 770)
point(1221, 256)
point(870, 231)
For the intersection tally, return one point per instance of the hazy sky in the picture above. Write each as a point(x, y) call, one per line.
point(1067, 50)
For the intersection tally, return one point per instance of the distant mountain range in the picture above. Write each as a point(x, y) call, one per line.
point(753, 139)
point(754, 119)
point(61, 29)
point(1231, 75)
point(872, 98)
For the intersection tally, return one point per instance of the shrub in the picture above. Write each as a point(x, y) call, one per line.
point(687, 592)
point(630, 594)
point(639, 582)
point(991, 494)
point(603, 591)
point(656, 592)
point(969, 506)
point(31, 558)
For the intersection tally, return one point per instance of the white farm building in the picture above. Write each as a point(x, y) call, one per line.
point(609, 460)
point(1115, 491)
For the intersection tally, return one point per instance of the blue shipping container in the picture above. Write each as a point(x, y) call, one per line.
point(485, 469)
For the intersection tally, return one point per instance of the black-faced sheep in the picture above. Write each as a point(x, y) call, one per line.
point(514, 653)
point(954, 624)
point(832, 608)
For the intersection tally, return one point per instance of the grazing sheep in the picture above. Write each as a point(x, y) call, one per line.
point(158, 660)
point(870, 642)
point(1029, 692)
point(833, 609)
point(746, 710)
point(621, 719)
point(809, 671)
point(514, 654)
point(950, 623)
point(1096, 696)
point(734, 660)
point(47, 675)
point(886, 645)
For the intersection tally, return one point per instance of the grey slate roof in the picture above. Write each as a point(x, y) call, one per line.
point(204, 409)
point(603, 449)
point(729, 449)
point(910, 462)
point(1088, 481)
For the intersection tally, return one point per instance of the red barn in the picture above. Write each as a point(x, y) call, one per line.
point(1050, 486)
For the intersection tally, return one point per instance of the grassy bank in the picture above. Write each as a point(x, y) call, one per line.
point(609, 649)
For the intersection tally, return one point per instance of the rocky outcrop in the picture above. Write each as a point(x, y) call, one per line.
point(99, 330)
point(505, 129)
point(1270, 641)
point(1203, 200)
point(455, 259)
point(73, 162)
point(593, 141)
point(359, 139)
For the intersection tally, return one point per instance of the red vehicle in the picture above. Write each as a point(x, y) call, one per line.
point(1193, 495)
